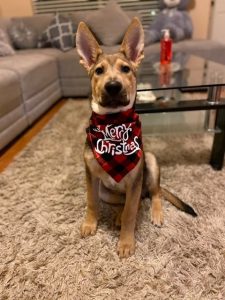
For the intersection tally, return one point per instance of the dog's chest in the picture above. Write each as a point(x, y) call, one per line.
point(96, 170)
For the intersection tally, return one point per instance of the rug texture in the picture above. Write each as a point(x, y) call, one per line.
point(42, 205)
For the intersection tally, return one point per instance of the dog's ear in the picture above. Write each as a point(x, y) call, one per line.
point(87, 46)
point(133, 42)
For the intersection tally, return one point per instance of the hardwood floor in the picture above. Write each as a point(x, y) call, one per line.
point(8, 154)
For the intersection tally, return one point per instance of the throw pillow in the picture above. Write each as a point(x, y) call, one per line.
point(22, 36)
point(38, 23)
point(5, 47)
point(59, 34)
point(109, 23)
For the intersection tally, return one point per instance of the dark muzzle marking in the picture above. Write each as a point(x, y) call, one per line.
point(113, 87)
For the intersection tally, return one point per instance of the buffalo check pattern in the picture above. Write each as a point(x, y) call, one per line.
point(116, 142)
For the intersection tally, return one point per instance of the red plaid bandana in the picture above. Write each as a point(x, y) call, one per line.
point(115, 140)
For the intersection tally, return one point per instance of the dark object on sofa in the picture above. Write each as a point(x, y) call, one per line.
point(22, 36)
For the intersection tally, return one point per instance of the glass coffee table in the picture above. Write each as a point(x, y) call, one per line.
point(162, 88)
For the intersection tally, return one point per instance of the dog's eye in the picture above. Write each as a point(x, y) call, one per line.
point(125, 69)
point(99, 71)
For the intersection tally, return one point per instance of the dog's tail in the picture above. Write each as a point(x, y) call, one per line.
point(177, 202)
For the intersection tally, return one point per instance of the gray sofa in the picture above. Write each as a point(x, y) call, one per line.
point(32, 80)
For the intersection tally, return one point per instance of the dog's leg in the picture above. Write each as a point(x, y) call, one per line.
point(117, 200)
point(89, 226)
point(153, 185)
point(126, 245)
point(119, 211)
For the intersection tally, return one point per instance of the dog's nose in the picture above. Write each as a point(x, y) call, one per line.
point(113, 87)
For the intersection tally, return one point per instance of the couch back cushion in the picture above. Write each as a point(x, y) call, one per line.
point(109, 23)
point(77, 16)
point(38, 23)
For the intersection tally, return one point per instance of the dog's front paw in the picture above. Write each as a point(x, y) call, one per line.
point(126, 247)
point(157, 217)
point(88, 228)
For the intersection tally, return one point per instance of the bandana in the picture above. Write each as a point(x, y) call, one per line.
point(115, 140)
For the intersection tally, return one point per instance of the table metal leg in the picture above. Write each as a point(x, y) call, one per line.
point(214, 94)
point(218, 148)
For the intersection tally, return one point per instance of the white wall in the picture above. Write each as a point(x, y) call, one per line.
point(10, 8)
point(218, 21)
point(200, 15)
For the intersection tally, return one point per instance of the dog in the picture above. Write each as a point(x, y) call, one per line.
point(117, 170)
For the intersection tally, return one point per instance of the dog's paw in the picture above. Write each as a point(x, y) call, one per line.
point(157, 218)
point(126, 248)
point(88, 229)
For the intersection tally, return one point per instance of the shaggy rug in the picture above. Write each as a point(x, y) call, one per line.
point(42, 205)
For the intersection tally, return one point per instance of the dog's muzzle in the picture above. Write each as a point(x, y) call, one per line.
point(114, 95)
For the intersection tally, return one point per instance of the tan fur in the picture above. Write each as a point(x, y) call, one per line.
point(123, 196)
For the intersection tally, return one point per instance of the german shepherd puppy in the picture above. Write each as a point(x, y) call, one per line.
point(113, 82)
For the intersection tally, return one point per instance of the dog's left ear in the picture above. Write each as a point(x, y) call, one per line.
point(133, 42)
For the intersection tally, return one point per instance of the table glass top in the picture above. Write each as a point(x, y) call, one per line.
point(188, 83)
point(185, 71)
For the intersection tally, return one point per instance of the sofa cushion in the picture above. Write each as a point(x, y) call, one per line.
point(38, 23)
point(199, 45)
point(5, 46)
point(22, 36)
point(208, 49)
point(133, 13)
point(5, 49)
point(12, 113)
point(35, 71)
point(52, 52)
point(11, 125)
point(69, 65)
point(77, 16)
point(109, 23)
point(10, 88)
point(59, 34)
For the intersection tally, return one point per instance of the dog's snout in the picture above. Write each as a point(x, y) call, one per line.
point(113, 87)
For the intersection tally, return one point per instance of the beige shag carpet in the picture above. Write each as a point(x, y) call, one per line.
point(42, 205)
